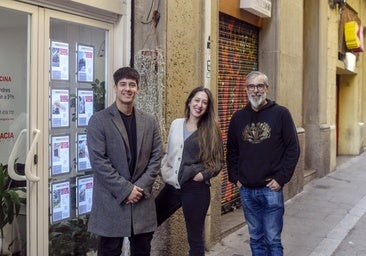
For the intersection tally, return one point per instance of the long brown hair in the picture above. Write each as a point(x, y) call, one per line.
point(209, 137)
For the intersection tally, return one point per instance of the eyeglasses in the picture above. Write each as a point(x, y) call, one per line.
point(260, 87)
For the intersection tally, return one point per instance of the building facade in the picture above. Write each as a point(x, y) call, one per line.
point(57, 54)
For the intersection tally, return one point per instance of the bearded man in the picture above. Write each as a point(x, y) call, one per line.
point(262, 153)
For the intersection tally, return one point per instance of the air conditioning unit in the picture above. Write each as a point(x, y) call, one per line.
point(261, 8)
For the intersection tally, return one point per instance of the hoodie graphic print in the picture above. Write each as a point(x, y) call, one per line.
point(262, 145)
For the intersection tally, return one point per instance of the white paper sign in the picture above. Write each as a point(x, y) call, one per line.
point(59, 61)
point(84, 194)
point(83, 153)
point(60, 108)
point(60, 200)
point(85, 106)
point(85, 63)
point(60, 152)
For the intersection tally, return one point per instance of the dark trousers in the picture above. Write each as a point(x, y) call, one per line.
point(112, 246)
point(194, 198)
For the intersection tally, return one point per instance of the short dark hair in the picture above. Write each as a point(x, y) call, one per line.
point(126, 72)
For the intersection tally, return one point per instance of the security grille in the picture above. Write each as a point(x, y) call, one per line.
point(238, 55)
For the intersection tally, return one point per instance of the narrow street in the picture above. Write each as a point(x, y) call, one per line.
point(326, 219)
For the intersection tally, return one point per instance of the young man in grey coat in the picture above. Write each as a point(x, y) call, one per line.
point(125, 151)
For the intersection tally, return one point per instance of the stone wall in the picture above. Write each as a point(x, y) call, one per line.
point(180, 35)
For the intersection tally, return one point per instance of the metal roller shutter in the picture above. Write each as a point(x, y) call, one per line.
point(238, 55)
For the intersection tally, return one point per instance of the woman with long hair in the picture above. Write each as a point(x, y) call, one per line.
point(193, 156)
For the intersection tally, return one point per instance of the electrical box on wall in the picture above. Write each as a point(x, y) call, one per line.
point(261, 8)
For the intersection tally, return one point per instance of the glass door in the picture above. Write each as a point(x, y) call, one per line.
point(76, 88)
point(54, 70)
point(18, 132)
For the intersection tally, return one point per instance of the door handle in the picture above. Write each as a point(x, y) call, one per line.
point(11, 161)
point(30, 156)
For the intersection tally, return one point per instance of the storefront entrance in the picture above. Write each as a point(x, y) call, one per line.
point(238, 55)
point(53, 71)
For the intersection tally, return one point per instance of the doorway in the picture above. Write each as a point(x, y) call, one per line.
point(54, 68)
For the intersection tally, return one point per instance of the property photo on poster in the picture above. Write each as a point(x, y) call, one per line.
point(60, 152)
point(59, 61)
point(84, 193)
point(59, 108)
point(85, 63)
point(60, 200)
point(83, 153)
point(85, 106)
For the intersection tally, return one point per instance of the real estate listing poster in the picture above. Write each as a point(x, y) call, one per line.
point(83, 153)
point(60, 153)
point(85, 106)
point(59, 108)
point(84, 194)
point(59, 61)
point(85, 63)
point(60, 200)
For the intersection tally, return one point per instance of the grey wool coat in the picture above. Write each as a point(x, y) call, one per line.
point(109, 156)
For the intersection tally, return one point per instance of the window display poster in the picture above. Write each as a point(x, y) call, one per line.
point(85, 63)
point(60, 152)
point(60, 200)
point(59, 108)
point(84, 194)
point(83, 153)
point(85, 106)
point(59, 61)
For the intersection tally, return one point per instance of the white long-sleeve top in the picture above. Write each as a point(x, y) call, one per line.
point(173, 156)
point(181, 161)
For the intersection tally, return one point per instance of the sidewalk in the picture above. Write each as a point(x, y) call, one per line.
point(326, 219)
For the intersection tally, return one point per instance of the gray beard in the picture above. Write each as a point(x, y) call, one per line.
point(257, 103)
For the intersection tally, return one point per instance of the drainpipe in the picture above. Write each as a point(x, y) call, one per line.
point(207, 43)
point(132, 33)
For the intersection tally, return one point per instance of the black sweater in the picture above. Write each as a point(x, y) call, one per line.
point(191, 163)
point(262, 146)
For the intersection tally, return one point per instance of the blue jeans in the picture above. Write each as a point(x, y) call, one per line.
point(263, 210)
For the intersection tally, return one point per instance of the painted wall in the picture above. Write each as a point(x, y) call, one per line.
point(281, 55)
point(362, 13)
point(281, 58)
point(333, 96)
point(351, 97)
point(317, 126)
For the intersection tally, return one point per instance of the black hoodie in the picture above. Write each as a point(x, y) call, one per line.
point(262, 146)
